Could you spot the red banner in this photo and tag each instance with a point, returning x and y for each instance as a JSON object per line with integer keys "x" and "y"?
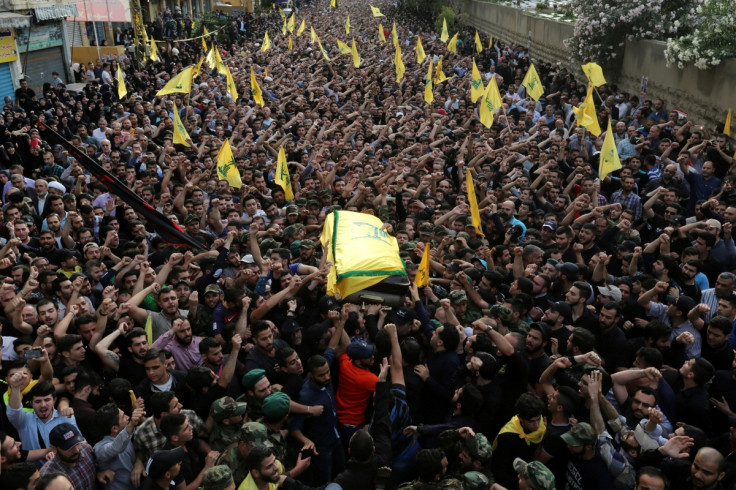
{"x": 103, "y": 11}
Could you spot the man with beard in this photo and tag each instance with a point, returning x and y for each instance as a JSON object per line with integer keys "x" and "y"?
{"x": 127, "y": 367}
{"x": 725, "y": 287}
{"x": 162, "y": 320}
{"x": 74, "y": 456}
{"x": 586, "y": 246}
{"x": 86, "y": 387}
{"x": 563, "y": 239}
{"x": 264, "y": 354}
{"x": 612, "y": 343}
{"x": 537, "y": 340}
{"x": 507, "y": 215}
{"x": 688, "y": 286}
{"x": 264, "y": 469}
{"x": 200, "y": 315}
{"x": 291, "y": 371}
{"x": 159, "y": 378}
{"x": 182, "y": 344}
{"x": 49, "y": 248}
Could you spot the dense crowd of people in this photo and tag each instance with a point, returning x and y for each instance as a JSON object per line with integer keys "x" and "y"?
{"x": 581, "y": 337}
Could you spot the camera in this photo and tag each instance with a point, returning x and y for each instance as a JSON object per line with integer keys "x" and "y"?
{"x": 516, "y": 231}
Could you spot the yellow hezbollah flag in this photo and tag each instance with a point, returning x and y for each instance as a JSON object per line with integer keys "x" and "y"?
{"x": 204, "y": 35}
{"x": 180, "y": 84}
{"x": 302, "y": 26}
{"x": 219, "y": 64}
{"x": 122, "y": 91}
{"x": 154, "y": 51}
{"x": 439, "y": 75}
{"x": 343, "y": 48}
{"x": 727, "y": 124}
{"x": 422, "y": 277}
{"x": 333, "y": 4}
{"x": 283, "y": 28}
{"x": 312, "y": 35}
{"x": 292, "y": 22}
{"x": 291, "y": 45}
{"x": 324, "y": 53}
{"x": 400, "y": 69}
{"x": 473, "y": 201}
{"x": 266, "y": 43}
{"x": 594, "y": 73}
{"x": 476, "y": 84}
{"x": 282, "y": 177}
{"x": 149, "y": 329}
{"x": 428, "y": 93}
{"x": 478, "y": 44}
{"x": 361, "y": 251}
{"x": 255, "y": 90}
{"x": 490, "y": 41}
{"x": 211, "y": 57}
{"x": 586, "y": 115}
{"x": 490, "y": 103}
{"x": 381, "y": 36}
{"x": 445, "y": 35}
{"x": 420, "y": 51}
{"x": 180, "y": 132}
{"x": 198, "y": 68}
{"x": 356, "y": 56}
{"x": 226, "y": 168}
{"x": 231, "y": 89}
{"x": 282, "y": 14}
{"x": 452, "y": 45}
{"x": 609, "y": 160}
{"x": 376, "y": 12}
{"x": 394, "y": 36}
{"x": 532, "y": 83}
{"x": 347, "y": 25}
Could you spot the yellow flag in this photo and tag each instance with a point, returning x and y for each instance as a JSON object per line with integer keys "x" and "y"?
{"x": 180, "y": 132}
{"x": 445, "y": 35}
{"x": 266, "y": 43}
{"x": 727, "y": 124}
{"x": 609, "y": 160}
{"x": 347, "y": 25}
{"x": 400, "y": 69}
{"x": 490, "y": 41}
{"x": 154, "y": 51}
{"x": 282, "y": 14}
{"x": 204, "y": 41}
{"x": 422, "y": 277}
{"x": 149, "y": 329}
{"x": 594, "y": 73}
{"x": 302, "y": 26}
{"x": 478, "y": 45}
{"x": 439, "y": 75}
{"x": 291, "y": 45}
{"x": 312, "y": 35}
{"x": 283, "y": 28}
{"x": 356, "y": 56}
{"x": 381, "y": 36}
{"x": 255, "y": 90}
{"x": 490, "y": 103}
{"x": 198, "y": 68}
{"x": 586, "y": 115}
{"x": 282, "y": 177}
{"x": 180, "y": 84}
{"x": 322, "y": 50}
{"x": 333, "y": 4}
{"x": 231, "y": 89}
{"x": 376, "y": 12}
{"x": 473, "y": 201}
{"x": 211, "y": 57}
{"x": 452, "y": 45}
{"x": 265, "y": 72}
{"x": 428, "y": 93}
{"x": 532, "y": 83}
{"x": 343, "y": 48}
{"x": 476, "y": 84}
{"x": 292, "y": 22}
{"x": 226, "y": 167}
{"x": 394, "y": 36}
{"x": 420, "y": 51}
{"x": 123, "y": 91}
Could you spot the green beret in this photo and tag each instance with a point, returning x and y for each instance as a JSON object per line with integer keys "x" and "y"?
{"x": 252, "y": 377}
{"x": 276, "y": 405}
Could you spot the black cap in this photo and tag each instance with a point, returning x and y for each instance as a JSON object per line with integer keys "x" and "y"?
{"x": 163, "y": 460}
{"x": 65, "y": 436}
{"x": 683, "y": 303}
{"x": 562, "y": 308}
{"x": 403, "y": 316}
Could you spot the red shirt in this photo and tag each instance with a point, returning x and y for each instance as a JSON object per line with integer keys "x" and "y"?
{"x": 354, "y": 392}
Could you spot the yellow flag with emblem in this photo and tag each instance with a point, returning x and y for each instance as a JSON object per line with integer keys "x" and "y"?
{"x": 381, "y": 35}
{"x": 727, "y": 124}
{"x": 473, "y": 201}
{"x": 221, "y": 66}
{"x": 282, "y": 177}
{"x": 490, "y": 103}
{"x": 211, "y": 57}
{"x": 400, "y": 69}
{"x": 180, "y": 132}
{"x": 342, "y": 47}
{"x": 180, "y": 84}
{"x": 422, "y": 277}
{"x": 266, "y": 43}
{"x": 609, "y": 160}
{"x": 122, "y": 90}
{"x": 439, "y": 75}
{"x": 292, "y": 23}
{"x": 231, "y": 88}
{"x": 428, "y": 92}
{"x": 356, "y": 56}
{"x": 347, "y": 25}
{"x": 594, "y": 73}
{"x": 255, "y": 90}
{"x": 478, "y": 44}
{"x": 532, "y": 83}
{"x": 302, "y": 26}
{"x": 198, "y": 68}
{"x": 394, "y": 36}
{"x": 452, "y": 45}
{"x": 476, "y": 84}
{"x": 282, "y": 14}
{"x": 586, "y": 115}
{"x": 445, "y": 35}
{"x": 376, "y": 12}
{"x": 420, "y": 51}
{"x": 322, "y": 50}
{"x": 226, "y": 167}
{"x": 153, "y": 55}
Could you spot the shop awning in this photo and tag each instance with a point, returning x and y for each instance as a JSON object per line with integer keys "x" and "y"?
{"x": 12, "y": 20}
{"x": 56, "y": 12}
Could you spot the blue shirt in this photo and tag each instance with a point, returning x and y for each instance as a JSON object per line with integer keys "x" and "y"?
{"x": 321, "y": 430}
{"x": 29, "y": 426}
{"x": 117, "y": 454}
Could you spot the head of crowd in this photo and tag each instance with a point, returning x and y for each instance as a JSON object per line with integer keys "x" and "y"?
{"x": 576, "y": 332}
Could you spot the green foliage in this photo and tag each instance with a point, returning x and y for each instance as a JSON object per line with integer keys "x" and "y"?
{"x": 213, "y": 24}
{"x": 446, "y": 13}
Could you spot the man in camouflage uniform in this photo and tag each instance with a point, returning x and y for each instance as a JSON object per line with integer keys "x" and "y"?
{"x": 233, "y": 456}
{"x": 475, "y": 480}
{"x": 534, "y": 475}
{"x": 228, "y": 416}
{"x": 218, "y": 478}
{"x": 275, "y": 411}
{"x": 466, "y": 451}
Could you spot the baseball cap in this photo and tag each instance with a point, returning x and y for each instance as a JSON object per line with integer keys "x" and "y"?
{"x": 90, "y": 245}
{"x": 611, "y": 291}
{"x": 403, "y": 316}
{"x": 65, "y": 436}
{"x": 189, "y": 218}
{"x": 212, "y": 288}
{"x": 550, "y": 224}
{"x": 568, "y": 269}
{"x": 226, "y": 407}
{"x": 562, "y": 308}
{"x": 683, "y": 303}
{"x": 217, "y": 478}
{"x": 580, "y": 435}
{"x": 458, "y": 296}
{"x": 306, "y": 243}
{"x": 292, "y": 209}
{"x": 327, "y": 303}
{"x": 359, "y": 349}
{"x": 713, "y": 223}
{"x": 475, "y": 480}
{"x": 255, "y": 434}
{"x": 248, "y": 259}
{"x": 479, "y": 448}
{"x": 537, "y": 476}
{"x": 163, "y": 460}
